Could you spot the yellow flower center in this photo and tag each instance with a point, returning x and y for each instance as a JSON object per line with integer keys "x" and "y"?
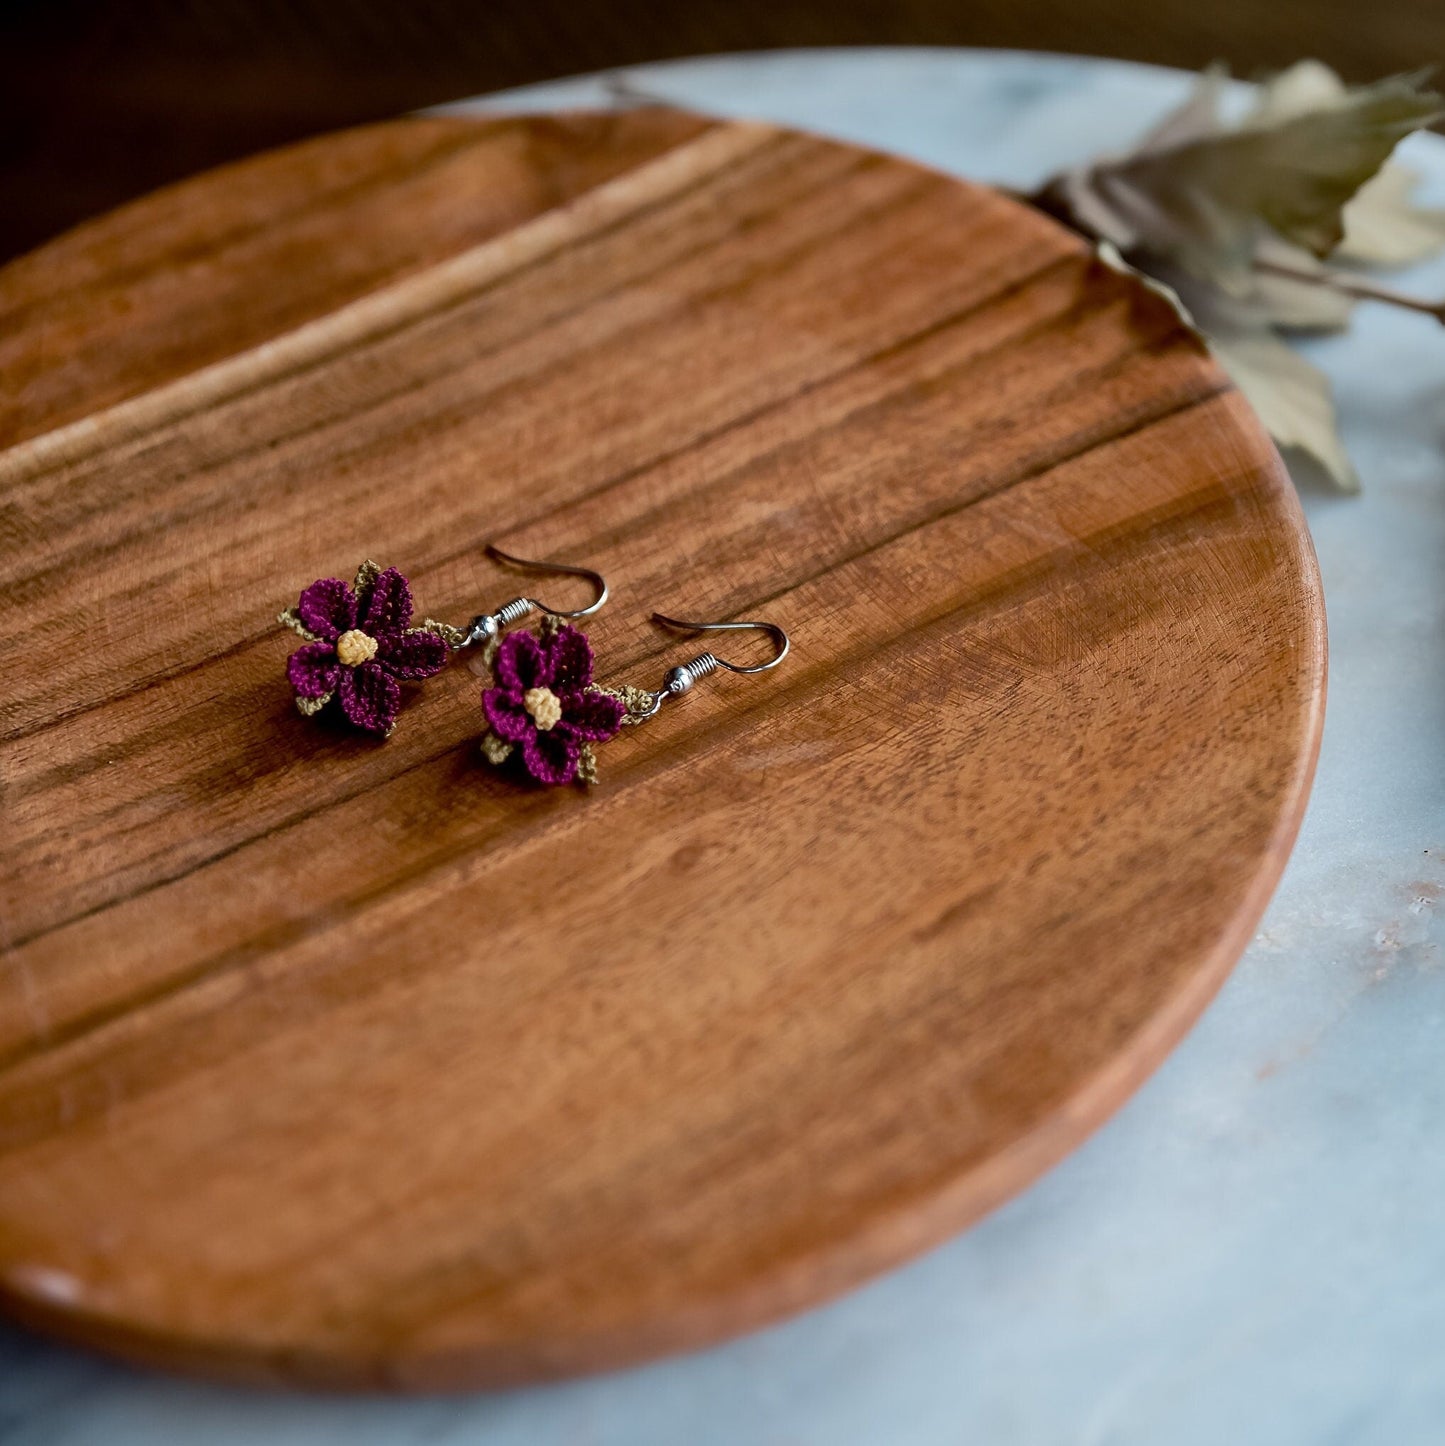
{"x": 355, "y": 647}
{"x": 544, "y": 706}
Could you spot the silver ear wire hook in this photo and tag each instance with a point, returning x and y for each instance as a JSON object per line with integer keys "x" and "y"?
{"x": 679, "y": 680}
{"x": 486, "y": 626}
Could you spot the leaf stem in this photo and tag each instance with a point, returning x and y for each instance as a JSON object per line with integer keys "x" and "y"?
{"x": 1352, "y": 286}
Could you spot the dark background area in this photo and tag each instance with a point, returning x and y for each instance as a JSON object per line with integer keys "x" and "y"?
{"x": 101, "y": 100}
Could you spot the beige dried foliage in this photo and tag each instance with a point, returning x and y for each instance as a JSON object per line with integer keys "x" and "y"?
{"x": 1234, "y": 220}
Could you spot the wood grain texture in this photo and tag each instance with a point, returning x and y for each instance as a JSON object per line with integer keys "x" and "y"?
{"x": 354, "y": 1064}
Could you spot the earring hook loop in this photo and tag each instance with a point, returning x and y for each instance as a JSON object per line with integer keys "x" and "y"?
{"x": 681, "y": 679}
{"x": 598, "y": 582}
{"x": 779, "y": 637}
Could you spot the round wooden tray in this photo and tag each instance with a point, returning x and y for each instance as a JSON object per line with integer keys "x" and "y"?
{"x": 331, "y": 1061}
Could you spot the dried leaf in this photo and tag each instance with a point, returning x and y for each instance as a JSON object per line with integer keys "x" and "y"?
{"x": 1298, "y": 89}
{"x": 1202, "y": 195}
{"x": 1231, "y": 221}
{"x": 1291, "y": 397}
{"x": 1288, "y": 287}
{"x": 1207, "y": 200}
{"x": 1108, "y": 253}
{"x": 1384, "y": 227}
{"x": 1197, "y": 117}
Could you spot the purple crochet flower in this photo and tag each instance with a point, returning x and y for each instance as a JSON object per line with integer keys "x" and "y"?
{"x": 544, "y": 706}
{"x": 360, "y": 647}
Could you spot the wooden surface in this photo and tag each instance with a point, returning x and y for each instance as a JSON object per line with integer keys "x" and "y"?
{"x": 345, "y": 1063}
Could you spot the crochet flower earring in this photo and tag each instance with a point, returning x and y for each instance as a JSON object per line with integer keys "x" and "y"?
{"x": 545, "y": 715}
{"x": 360, "y": 645}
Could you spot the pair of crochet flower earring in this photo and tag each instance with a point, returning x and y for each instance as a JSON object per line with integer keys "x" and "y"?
{"x": 543, "y": 712}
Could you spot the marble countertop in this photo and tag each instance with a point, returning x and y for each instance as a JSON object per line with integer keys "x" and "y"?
{"x": 1251, "y": 1251}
